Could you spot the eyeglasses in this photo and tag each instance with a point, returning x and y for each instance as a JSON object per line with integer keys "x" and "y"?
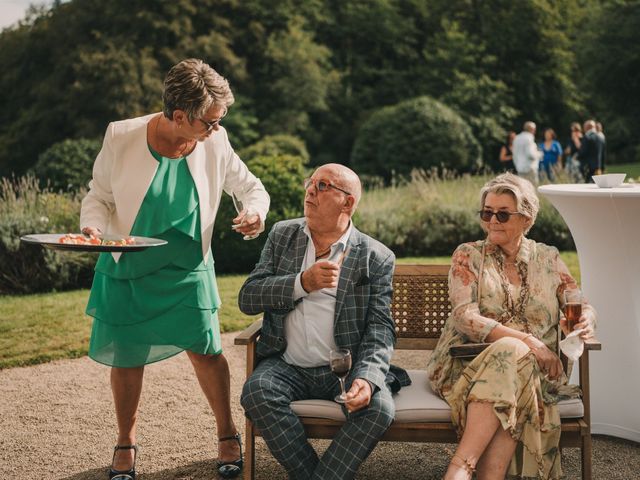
{"x": 322, "y": 185}
{"x": 501, "y": 215}
{"x": 211, "y": 125}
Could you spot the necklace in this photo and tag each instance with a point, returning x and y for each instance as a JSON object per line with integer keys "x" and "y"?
{"x": 323, "y": 252}
{"x": 182, "y": 151}
{"x": 514, "y": 310}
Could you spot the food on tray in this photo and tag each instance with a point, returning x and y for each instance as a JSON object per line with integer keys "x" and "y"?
{"x": 120, "y": 241}
{"x": 79, "y": 239}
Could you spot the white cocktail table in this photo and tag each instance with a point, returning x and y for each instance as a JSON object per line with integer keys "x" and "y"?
{"x": 605, "y": 224}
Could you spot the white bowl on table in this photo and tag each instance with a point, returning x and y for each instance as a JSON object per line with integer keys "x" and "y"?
{"x": 609, "y": 180}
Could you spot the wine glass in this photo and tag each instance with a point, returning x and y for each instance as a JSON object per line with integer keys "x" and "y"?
{"x": 237, "y": 203}
{"x": 340, "y": 362}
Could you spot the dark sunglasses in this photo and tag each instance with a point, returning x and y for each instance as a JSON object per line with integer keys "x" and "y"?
{"x": 501, "y": 215}
{"x": 322, "y": 185}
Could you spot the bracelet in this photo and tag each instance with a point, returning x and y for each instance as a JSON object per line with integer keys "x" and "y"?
{"x": 532, "y": 336}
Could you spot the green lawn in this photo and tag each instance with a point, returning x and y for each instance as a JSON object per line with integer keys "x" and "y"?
{"x": 631, "y": 169}
{"x": 44, "y": 327}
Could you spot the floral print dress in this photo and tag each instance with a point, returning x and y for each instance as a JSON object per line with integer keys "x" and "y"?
{"x": 507, "y": 373}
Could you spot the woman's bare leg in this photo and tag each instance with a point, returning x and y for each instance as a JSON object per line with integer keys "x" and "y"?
{"x": 495, "y": 460}
{"x": 126, "y": 385}
{"x": 213, "y": 375}
{"x": 480, "y": 429}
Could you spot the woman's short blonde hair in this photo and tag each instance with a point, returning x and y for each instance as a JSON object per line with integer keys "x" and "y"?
{"x": 522, "y": 190}
{"x": 193, "y": 87}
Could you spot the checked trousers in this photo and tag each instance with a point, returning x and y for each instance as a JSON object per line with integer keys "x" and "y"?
{"x": 266, "y": 398}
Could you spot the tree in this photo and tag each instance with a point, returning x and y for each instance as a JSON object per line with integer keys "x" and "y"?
{"x": 282, "y": 176}
{"x": 314, "y": 68}
{"x": 375, "y": 48}
{"x": 470, "y": 86}
{"x": 81, "y": 64}
{"x": 275, "y": 145}
{"x": 534, "y": 55}
{"x": 611, "y": 64}
{"x": 301, "y": 78}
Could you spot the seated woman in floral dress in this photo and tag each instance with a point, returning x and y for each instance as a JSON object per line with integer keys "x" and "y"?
{"x": 504, "y": 401}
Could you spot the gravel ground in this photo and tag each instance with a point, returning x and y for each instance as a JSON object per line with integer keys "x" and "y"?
{"x": 57, "y": 422}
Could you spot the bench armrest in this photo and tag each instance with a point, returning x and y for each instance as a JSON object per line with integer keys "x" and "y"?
{"x": 592, "y": 344}
{"x": 248, "y": 337}
{"x": 250, "y": 334}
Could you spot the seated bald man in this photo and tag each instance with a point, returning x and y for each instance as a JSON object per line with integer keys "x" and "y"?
{"x": 322, "y": 285}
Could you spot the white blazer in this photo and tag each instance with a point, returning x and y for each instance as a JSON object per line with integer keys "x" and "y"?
{"x": 124, "y": 170}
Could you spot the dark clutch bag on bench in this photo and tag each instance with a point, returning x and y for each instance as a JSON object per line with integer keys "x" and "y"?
{"x": 467, "y": 350}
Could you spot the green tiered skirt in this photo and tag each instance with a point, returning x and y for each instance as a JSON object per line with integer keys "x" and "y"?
{"x": 155, "y": 303}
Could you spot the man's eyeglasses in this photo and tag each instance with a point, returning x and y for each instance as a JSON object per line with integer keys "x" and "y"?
{"x": 322, "y": 185}
{"x": 501, "y": 215}
{"x": 211, "y": 125}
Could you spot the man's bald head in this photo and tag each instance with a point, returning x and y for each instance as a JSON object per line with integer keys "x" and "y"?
{"x": 344, "y": 178}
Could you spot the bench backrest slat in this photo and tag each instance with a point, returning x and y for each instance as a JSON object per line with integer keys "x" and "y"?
{"x": 420, "y": 304}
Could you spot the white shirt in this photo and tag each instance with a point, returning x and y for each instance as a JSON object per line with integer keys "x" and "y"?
{"x": 526, "y": 155}
{"x": 308, "y": 327}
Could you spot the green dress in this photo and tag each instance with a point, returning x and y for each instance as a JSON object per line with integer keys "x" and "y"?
{"x": 155, "y": 303}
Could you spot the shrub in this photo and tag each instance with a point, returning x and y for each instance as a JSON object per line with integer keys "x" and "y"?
{"x": 26, "y": 208}
{"x": 271, "y": 145}
{"x": 67, "y": 165}
{"x": 418, "y": 133}
{"x": 429, "y": 216}
{"x": 282, "y": 176}
{"x": 242, "y": 123}
{"x": 550, "y": 228}
{"x": 433, "y": 231}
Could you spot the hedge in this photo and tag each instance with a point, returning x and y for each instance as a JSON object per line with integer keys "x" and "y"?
{"x": 419, "y": 133}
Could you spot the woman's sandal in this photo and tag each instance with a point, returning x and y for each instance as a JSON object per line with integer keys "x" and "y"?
{"x": 463, "y": 463}
{"x": 124, "y": 474}
{"x": 233, "y": 468}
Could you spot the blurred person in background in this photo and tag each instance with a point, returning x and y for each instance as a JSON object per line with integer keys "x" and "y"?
{"x": 506, "y": 154}
{"x": 572, "y": 164}
{"x": 600, "y": 132}
{"x": 162, "y": 175}
{"x": 591, "y": 152}
{"x": 551, "y": 155}
{"x": 526, "y": 156}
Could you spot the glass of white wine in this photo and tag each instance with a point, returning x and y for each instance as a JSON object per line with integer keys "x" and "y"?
{"x": 237, "y": 203}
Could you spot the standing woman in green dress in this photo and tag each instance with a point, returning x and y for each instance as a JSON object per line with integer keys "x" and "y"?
{"x": 162, "y": 176}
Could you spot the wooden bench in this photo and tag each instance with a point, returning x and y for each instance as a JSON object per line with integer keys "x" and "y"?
{"x": 420, "y": 307}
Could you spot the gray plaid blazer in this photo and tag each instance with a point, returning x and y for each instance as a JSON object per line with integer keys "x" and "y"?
{"x": 363, "y": 320}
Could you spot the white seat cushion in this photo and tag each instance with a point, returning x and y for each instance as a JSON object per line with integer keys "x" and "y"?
{"x": 572, "y": 408}
{"x": 415, "y": 403}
